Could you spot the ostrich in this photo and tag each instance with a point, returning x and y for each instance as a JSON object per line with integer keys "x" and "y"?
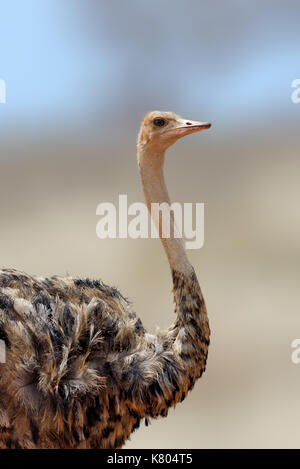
{"x": 80, "y": 370}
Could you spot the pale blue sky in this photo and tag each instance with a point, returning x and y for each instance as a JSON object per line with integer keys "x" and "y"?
{"x": 74, "y": 61}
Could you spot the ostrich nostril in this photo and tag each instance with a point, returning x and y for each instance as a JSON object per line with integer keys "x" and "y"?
{"x": 188, "y": 123}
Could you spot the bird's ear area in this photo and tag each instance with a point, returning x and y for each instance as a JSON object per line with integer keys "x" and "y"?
{"x": 144, "y": 136}
{"x": 146, "y": 128}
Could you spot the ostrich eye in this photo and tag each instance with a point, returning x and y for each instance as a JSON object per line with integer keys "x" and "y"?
{"x": 159, "y": 122}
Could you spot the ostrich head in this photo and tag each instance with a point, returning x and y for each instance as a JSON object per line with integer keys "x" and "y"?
{"x": 159, "y": 130}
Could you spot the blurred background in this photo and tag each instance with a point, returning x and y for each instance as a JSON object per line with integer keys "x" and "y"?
{"x": 79, "y": 77}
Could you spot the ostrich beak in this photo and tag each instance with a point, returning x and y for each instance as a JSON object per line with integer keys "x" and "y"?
{"x": 185, "y": 127}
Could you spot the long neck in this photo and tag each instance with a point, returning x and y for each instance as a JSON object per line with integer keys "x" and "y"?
{"x": 186, "y": 341}
{"x": 151, "y": 166}
{"x": 166, "y": 369}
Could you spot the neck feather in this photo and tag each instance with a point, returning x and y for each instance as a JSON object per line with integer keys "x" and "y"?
{"x": 151, "y": 166}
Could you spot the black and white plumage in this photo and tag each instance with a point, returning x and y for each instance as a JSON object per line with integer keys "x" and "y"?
{"x": 80, "y": 370}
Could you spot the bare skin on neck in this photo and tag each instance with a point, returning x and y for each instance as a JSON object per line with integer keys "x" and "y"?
{"x": 160, "y": 130}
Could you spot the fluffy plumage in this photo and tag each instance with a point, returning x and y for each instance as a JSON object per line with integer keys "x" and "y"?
{"x": 81, "y": 371}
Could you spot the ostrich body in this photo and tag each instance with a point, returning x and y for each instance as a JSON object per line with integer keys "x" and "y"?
{"x": 81, "y": 371}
